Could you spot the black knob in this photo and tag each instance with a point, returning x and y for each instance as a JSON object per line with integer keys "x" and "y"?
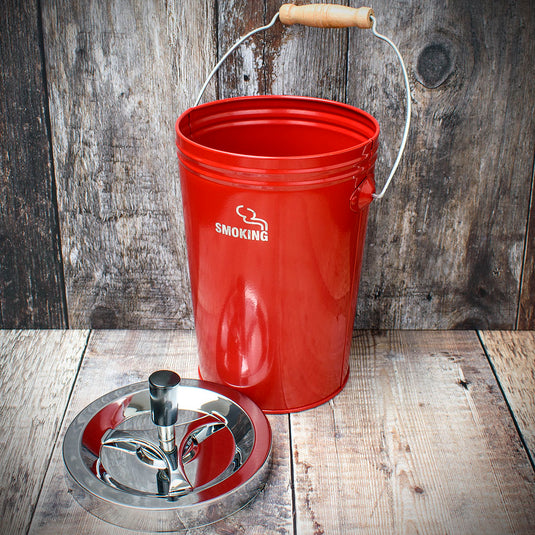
{"x": 163, "y": 388}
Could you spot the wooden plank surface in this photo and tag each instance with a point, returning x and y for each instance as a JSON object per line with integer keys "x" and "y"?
{"x": 308, "y": 61}
{"x": 37, "y": 372}
{"x": 512, "y": 355}
{"x": 31, "y": 278}
{"x": 290, "y": 60}
{"x": 243, "y": 72}
{"x": 445, "y": 245}
{"x": 119, "y": 74}
{"x": 118, "y": 358}
{"x": 420, "y": 441}
{"x": 526, "y": 307}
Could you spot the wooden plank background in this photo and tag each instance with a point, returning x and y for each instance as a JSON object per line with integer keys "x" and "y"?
{"x": 448, "y": 247}
{"x": 31, "y": 277}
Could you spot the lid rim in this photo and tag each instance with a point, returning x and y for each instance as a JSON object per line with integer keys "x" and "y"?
{"x": 249, "y": 160}
{"x": 132, "y": 510}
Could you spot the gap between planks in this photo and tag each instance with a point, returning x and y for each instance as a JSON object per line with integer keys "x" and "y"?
{"x": 37, "y": 376}
{"x": 118, "y": 358}
{"x": 82, "y": 354}
{"x": 511, "y": 355}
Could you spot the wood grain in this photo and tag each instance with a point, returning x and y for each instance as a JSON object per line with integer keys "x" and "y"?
{"x": 31, "y": 278}
{"x": 309, "y": 61}
{"x": 512, "y": 355}
{"x": 445, "y": 245}
{"x": 119, "y": 74}
{"x": 37, "y": 372}
{"x": 243, "y": 73}
{"x": 117, "y": 358}
{"x": 282, "y": 60}
{"x": 526, "y": 307}
{"x": 420, "y": 441}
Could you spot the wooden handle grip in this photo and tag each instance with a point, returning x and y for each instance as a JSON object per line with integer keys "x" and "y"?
{"x": 326, "y": 15}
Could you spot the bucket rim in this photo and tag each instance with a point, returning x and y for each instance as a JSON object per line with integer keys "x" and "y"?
{"x": 254, "y": 157}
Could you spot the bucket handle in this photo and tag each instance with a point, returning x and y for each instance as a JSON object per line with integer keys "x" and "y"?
{"x": 330, "y": 16}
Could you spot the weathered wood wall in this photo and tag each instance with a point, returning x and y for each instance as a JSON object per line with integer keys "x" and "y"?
{"x": 31, "y": 278}
{"x": 91, "y": 231}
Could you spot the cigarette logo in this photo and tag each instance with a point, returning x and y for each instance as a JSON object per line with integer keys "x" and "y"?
{"x": 249, "y": 216}
{"x": 256, "y": 229}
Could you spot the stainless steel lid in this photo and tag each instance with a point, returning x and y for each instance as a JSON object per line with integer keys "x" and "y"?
{"x": 167, "y": 455}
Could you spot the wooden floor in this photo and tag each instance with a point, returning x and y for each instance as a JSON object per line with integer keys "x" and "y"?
{"x": 434, "y": 433}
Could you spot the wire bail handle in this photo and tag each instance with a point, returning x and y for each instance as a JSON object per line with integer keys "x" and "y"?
{"x": 330, "y": 16}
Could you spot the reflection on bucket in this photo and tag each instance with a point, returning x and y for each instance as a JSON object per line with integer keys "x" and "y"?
{"x": 243, "y": 341}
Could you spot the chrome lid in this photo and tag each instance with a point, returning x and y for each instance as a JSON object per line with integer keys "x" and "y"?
{"x": 167, "y": 454}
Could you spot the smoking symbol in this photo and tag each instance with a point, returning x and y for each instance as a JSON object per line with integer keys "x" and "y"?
{"x": 249, "y": 216}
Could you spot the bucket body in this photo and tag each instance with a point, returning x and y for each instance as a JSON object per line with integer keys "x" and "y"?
{"x": 275, "y": 194}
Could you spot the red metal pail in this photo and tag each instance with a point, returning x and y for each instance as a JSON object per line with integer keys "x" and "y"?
{"x": 276, "y": 192}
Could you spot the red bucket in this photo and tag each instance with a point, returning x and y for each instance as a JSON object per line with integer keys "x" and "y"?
{"x": 276, "y": 192}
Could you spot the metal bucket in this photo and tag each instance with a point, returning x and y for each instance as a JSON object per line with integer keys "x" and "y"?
{"x": 276, "y": 191}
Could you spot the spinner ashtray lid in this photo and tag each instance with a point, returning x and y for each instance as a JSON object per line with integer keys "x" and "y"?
{"x": 167, "y": 455}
